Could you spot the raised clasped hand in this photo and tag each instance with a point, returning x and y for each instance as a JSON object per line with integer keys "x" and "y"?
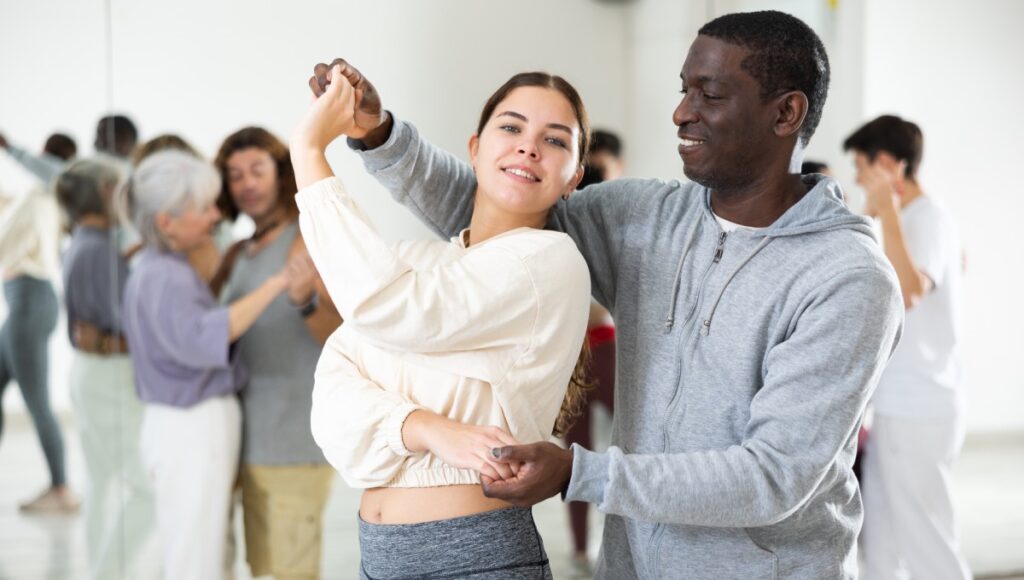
{"x": 330, "y": 116}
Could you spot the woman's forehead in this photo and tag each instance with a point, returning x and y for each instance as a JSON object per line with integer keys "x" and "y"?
{"x": 538, "y": 104}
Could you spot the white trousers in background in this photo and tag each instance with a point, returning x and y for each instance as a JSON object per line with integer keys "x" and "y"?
{"x": 908, "y": 506}
{"x": 119, "y": 500}
{"x": 191, "y": 456}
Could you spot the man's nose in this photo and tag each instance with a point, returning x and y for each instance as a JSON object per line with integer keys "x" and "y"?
{"x": 684, "y": 113}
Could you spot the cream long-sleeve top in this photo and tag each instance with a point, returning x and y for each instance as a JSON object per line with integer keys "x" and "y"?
{"x": 30, "y": 225}
{"x": 485, "y": 335}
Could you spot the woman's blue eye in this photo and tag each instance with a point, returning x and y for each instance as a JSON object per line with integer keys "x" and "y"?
{"x": 556, "y": 141}
{"x": 509, "y": 128}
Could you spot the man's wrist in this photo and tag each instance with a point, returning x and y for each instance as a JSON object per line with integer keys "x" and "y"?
{"x": 379, "y": 135}
{"x": 568, "y": 474}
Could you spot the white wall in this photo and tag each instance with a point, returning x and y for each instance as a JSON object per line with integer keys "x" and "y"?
{"x": 205, "y": 69}
{"x": 955, "y": 69}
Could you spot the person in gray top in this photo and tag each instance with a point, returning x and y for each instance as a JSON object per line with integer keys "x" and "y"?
{"x": 286, "y": 480}
{"x": 754, "y": 312}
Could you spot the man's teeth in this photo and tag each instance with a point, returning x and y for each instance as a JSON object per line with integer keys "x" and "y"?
{"x": 691, "y": 142}
{"x": 521, "y": 173}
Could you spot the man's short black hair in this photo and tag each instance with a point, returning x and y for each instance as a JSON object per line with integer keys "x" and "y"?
{"x": 785, "y": 55}
{"x": 61, "y": 146}
{"x": 122, "y": 129}
{"x": 601, "y": 140}
{"x": 812, "y": 167}
{"x": 893, "y": 135}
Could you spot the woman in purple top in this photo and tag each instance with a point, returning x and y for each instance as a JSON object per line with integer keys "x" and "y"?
{"x": 185, "y": 373}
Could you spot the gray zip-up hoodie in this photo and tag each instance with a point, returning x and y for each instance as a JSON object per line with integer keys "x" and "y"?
{"x": 745, "y": 361}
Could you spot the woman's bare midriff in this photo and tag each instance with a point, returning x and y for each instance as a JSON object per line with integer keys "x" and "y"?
{"x": 415, "y": 505}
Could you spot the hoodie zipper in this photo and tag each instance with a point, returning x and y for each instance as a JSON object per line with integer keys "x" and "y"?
{"x": 719, "y": 251}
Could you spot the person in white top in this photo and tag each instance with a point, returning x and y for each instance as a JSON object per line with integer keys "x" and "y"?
{"x": 30, "y": 230}
{"x": 917, "y": 430}
{"x": 448, "y": 349}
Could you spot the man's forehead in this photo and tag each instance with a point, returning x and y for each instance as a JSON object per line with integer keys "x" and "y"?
{"x": 713, "y": 60}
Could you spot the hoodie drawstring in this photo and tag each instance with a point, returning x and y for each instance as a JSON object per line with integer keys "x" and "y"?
{"x": 671, "y": 319}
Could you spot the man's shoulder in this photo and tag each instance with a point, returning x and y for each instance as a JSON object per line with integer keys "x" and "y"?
{"x": 643, "y": 196}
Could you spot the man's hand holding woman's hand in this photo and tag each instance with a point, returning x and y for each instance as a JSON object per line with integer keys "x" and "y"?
{"x": 372, "y": 122}
{"x": 330, "y": 116}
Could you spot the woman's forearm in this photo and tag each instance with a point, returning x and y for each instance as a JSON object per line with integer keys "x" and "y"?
{"x": 418, "y": 427}
{"x": 310, "y": 165}
{"x": 243, "y": 312}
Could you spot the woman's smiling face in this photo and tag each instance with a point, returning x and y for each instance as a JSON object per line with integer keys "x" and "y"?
{"x": 527, "y": 155}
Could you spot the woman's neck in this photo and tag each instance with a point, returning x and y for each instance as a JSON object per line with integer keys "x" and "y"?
{"x": 488, "y": 222}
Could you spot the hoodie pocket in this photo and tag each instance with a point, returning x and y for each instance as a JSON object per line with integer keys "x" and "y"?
{"x": 698, "y": 553}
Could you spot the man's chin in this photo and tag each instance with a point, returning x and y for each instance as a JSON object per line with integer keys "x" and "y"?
{"x": 697, "y": 177}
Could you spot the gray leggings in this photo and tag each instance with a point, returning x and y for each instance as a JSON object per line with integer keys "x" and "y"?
{"x": 24, "y": 357}
{"x": 499, "y": 544}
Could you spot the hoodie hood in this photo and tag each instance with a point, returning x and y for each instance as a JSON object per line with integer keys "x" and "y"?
{"x": 821, "y": 209}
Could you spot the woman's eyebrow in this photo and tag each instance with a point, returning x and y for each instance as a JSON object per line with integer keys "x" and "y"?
{"x": 521, "y": 117}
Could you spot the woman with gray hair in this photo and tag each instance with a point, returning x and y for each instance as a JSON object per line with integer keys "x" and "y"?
{"x": 185, "y": 371}
{"x": 119, "y": 500}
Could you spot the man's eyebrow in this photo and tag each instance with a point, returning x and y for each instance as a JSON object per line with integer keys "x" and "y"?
{"x": 521, "y": 117}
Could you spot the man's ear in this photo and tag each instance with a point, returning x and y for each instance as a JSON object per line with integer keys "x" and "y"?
{"x": 886, "y": 160}
{"x": 474, "y": 146}
{"x": 791, "y": 110}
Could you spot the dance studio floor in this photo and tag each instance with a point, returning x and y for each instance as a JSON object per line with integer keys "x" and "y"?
{"x": 989, "y": 482}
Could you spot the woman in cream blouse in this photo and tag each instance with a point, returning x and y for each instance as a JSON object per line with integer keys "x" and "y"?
{"x": 449, "y": 348}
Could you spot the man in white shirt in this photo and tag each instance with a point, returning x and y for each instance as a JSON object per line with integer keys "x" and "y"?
{"x": 918, "y": 429}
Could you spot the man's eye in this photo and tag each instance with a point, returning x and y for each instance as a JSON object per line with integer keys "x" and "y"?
{"x": 711, "y": 97}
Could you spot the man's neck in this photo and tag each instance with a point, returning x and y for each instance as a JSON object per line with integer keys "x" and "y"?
{"x": 910, "y": 192}
{"x": 759, "y": 204}
{"x": 269, "y": 219}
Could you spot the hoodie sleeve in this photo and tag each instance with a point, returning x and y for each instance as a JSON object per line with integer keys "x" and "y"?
{"x": 438, "y": 188}
{"x": 817, "y": 383}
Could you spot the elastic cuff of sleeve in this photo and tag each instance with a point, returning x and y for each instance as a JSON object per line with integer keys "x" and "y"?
{"x": 589, "y": 476}
{"x": 393, "y": 428}
{"x": 383, "y": 157}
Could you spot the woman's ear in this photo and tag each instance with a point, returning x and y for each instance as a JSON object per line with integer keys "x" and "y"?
{"x": 474, "y": 146}
{"x": 576, "y": 179}
{"x": 164, "y": 222}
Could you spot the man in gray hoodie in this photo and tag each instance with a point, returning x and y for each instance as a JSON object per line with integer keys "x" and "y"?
{"x": 755, "y": 313}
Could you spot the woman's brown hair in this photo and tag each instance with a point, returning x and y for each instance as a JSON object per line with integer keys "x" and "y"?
{"x": 580, "y": 382}
{"x": 256, "y": 138}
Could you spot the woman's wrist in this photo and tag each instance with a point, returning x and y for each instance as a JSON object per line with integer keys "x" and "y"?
{"x": 417, "y": 429}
